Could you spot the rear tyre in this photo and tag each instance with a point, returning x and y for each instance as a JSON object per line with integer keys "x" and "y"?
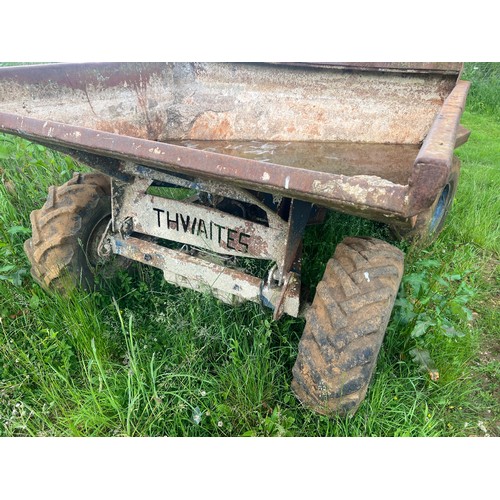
{"x": 66, "y": 232}
{"x": 430, "y": 223}
{"x": 345, "y": 326}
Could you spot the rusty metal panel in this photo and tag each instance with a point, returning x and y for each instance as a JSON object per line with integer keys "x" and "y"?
{"x": 360, "y": 194}
{"x": 452, "y": 68}
{"x": 463, "y": 135}
{"x": 160, "y": 101}
{"x": 434, "y": 160}
{"x": 229, "y": 285}
{"x": 393, "y": 162}
{"x": 109, "y": 96}
{"x": 220, "y": 189}
{"x": 203, "y": 227}
{"x": 229, "y": 101}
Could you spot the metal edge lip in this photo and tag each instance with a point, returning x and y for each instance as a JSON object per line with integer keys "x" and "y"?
{"x": 445, "y": 68}
{"x": 365, "y": 192}
{"x": 433, "y": 163}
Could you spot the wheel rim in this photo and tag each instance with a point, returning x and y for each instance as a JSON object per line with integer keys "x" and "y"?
{"x": 441, "y": 208}
{"x": 93, "y": 242}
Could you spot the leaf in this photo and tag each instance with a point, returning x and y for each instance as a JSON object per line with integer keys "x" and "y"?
{"x": 460, "y": 311}
{"x": 6, "y": 269}
{"x": 442, "y": 282}
{"x": 34, "y": 302}
{"x": 417, "y": 282}
{"x": 423, "y": 358}
{"x": 17, "y": 277}
{"x": 404, "y": 310}
{"x": 421, "y": 328}
{"x": 450, "y": 331}
{"x": 18, "y": 229}
{"x": 430, "y": 263}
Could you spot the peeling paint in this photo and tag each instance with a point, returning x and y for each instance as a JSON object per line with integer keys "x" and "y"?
{"x": 357, "y": 187}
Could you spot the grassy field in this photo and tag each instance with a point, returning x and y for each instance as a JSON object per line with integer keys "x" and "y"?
{"x": 143, "y": 358}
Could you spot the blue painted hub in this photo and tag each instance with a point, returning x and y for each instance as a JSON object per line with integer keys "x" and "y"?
{"x": 441, "y": 207}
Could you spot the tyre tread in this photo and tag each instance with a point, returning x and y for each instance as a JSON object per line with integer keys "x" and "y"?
{"x": 345, "y": 325}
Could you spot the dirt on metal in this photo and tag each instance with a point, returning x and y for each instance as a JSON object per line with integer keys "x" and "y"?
{"x": 262, "y": 146}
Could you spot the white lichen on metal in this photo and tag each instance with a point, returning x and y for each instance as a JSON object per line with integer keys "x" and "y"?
{"x": 355, "y": 189}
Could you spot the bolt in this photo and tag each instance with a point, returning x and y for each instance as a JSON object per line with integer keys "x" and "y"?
{"x": 105, "y": 249}
{"x": 127, "y": 226}
{"x": 277, "y": 275}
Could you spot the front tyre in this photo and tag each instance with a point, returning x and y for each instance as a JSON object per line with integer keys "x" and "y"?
{"x": 66, "y": 232}
{"x": 345, "y": 326}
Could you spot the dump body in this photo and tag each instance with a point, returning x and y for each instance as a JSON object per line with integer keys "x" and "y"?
{"x": 371, "y": 139}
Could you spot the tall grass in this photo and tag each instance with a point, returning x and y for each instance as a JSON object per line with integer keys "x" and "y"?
{"x": 484, "y": 95}
{"x": 144, "y": 358}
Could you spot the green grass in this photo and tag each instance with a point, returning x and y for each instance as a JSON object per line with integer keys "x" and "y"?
{"x": 144, "y": 358}
{"x": 484, "y": 96}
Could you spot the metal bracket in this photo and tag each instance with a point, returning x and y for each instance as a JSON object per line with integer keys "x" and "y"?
{"x": 229, "y": 285}
{"x": 290, "y": 289}
{"x": 297, "y": 222}
{"x": 189, "y": 222}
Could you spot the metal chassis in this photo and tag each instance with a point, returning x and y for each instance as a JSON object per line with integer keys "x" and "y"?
{"x": 136, "y": 221}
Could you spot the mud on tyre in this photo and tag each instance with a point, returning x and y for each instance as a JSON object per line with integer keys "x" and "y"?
{"x": 66, "y": 232}
{"x": 345, "y": 326}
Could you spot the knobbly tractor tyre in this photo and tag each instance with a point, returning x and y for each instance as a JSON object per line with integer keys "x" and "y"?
{"x": 66, "y": 232}
{"x": 345, "y": 326}
{"x": 430, "y": 223}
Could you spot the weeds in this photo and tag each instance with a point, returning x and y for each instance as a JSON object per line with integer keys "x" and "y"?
{"x": 432, "y": 302}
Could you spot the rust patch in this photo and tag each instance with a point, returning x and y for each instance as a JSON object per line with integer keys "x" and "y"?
{"x": 211, "y": 124}
{"x": 123, "y": 127}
